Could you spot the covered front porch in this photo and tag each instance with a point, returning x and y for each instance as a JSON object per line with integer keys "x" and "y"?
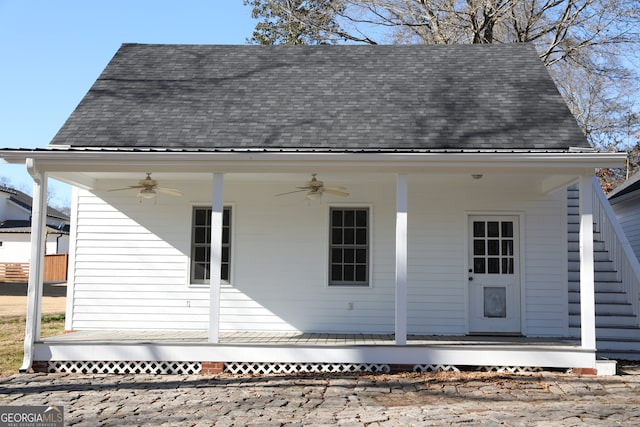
{"x": 419, "y": 261}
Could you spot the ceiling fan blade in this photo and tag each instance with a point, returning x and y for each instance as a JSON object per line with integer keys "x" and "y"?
{"x": 291, "y": 192}
{"x": 335, "y": 187}
{"x": 127, "y": 188}
{"x": 171, "y": 191}
{"x": 335, "y": 192}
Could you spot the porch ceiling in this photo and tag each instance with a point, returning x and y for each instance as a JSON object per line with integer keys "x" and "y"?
{"x": 544, "y": 181}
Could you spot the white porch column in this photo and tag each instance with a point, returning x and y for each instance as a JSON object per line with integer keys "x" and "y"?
{"x": 217, "y": 207}
{"x": 36, "y": 263}
{"x": 401, "y": 259}
{"x": 587, "y": 296}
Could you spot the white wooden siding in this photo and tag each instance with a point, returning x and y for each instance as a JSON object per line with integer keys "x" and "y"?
{"x": 132, "y": 259}
{"x": 628, "y": 215}
{"x": 16, "y": 247}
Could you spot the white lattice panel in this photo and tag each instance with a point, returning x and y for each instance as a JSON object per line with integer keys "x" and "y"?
{"x": 435, "y": 368}
{"x": 510, "y": 369}
{"x": 302, "y": 368}
{"x": 110, "y": 367}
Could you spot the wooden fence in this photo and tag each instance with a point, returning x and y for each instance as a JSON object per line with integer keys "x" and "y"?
{"x": 55, "y": 269}
{"x": 14, "y": 271}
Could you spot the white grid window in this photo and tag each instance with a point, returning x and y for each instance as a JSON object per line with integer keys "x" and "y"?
{"x": 201, "y": 245}
{"x": 349, "y": 247}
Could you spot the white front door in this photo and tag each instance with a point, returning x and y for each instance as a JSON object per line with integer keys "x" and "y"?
{"x": 494, "y": 274}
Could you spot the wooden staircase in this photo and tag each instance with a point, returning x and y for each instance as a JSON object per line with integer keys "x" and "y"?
{"x": 617, "y": 321}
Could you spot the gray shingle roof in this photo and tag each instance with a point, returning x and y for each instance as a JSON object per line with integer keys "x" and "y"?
{"x": 324, "y": 98}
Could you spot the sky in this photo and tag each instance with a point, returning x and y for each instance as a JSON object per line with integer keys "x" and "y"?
{"x": 51, "y": 52}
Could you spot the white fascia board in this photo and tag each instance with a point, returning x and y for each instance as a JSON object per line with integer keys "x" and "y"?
{"x": 122, "y": 161}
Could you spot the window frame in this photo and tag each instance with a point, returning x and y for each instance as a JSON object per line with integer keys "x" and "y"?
{"x": 370, "y": 245}
{"x": 205, "y": 283}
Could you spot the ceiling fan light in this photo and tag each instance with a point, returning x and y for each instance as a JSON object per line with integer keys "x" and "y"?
{"x": 313, "y": 195}
{"x": 147, "y": 193}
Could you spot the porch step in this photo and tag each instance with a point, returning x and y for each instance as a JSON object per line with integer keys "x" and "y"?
{"x": 605, "y": 309}
{"x": 600, "y": 286}
{"x": 607, "y": 321}
{"x": 598, "y": 257}
{"x": 616, "y": 333}
{"x": 600, "y": 276}
{"x": 619, "y": 344}
{"x": 618, "y": 355}
{"x": 574, "y": 246}
{"x": 602, "y": 297}
{"x": 618, "y": 349}
{"x": 573, "y": 228}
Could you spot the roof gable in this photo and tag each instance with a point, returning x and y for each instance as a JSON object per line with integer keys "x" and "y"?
{"x": 26, "y": 202}
{"x": 324, "y": 98}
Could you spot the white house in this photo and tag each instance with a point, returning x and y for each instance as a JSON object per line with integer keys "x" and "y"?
{"x": 15, "y": 230}
{"x": 625, "y": 201}
{"x": 429, "y": 228}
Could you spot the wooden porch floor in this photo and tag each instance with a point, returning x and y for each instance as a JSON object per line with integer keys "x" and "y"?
{"x": 297, "y": 339}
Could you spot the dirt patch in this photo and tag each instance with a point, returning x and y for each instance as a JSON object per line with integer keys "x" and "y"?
{"x": 13, "y": 299}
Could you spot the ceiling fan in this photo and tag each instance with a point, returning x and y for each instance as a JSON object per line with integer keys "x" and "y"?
{"x": 315, "y": 189}
{"x": 148, "y": 188}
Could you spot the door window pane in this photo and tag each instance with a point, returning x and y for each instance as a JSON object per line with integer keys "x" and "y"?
{"x": 493, "y": 247}
{"x": 493, "y": 265}
{"x": 507, "y": 229}
{"x": 492, "y": 229}
{"x": 479, "y": 265}
{"x": 507, "y": 266}
{"x": 507, "y": 247}
{"x": 478, "y": 229}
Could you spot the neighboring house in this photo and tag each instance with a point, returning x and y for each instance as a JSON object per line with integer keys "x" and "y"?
{"x": 450, "y": 247}
{"x": 15, "y": 229}
{"x": 625, "y": 201}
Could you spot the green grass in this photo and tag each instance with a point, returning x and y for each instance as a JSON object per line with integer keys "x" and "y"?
{"x": 12, "y": 339}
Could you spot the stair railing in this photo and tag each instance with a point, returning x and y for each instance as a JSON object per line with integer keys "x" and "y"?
{"x": 622, "y": 255}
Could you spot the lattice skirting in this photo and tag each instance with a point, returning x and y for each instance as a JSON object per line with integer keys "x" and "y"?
{"x": 252, "y": 368}
{"x": 435, "y": 368}
{"x": 303, "y": 368}
{"x": 510, "y": 369}
{"x": 109, "y": 367}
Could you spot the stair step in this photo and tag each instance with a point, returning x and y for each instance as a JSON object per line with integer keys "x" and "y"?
{"x": 605, "y": 266}
{"x": 619, "y": 355}
{"x": 601, "y": 276}
{"x": 603, "y": 309}
{"x": 619, "y": 344}
{"x": 613, "y": 333}
{"x": 613, "y": 286}
{"x": 607, "y": 321}
{"x": 574, "y": 246}
{"x": 601, "y": 297}
{"x": 598, "y": 256}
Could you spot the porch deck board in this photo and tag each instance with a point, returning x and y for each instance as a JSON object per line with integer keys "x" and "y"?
{"x": 297, "y": 339}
